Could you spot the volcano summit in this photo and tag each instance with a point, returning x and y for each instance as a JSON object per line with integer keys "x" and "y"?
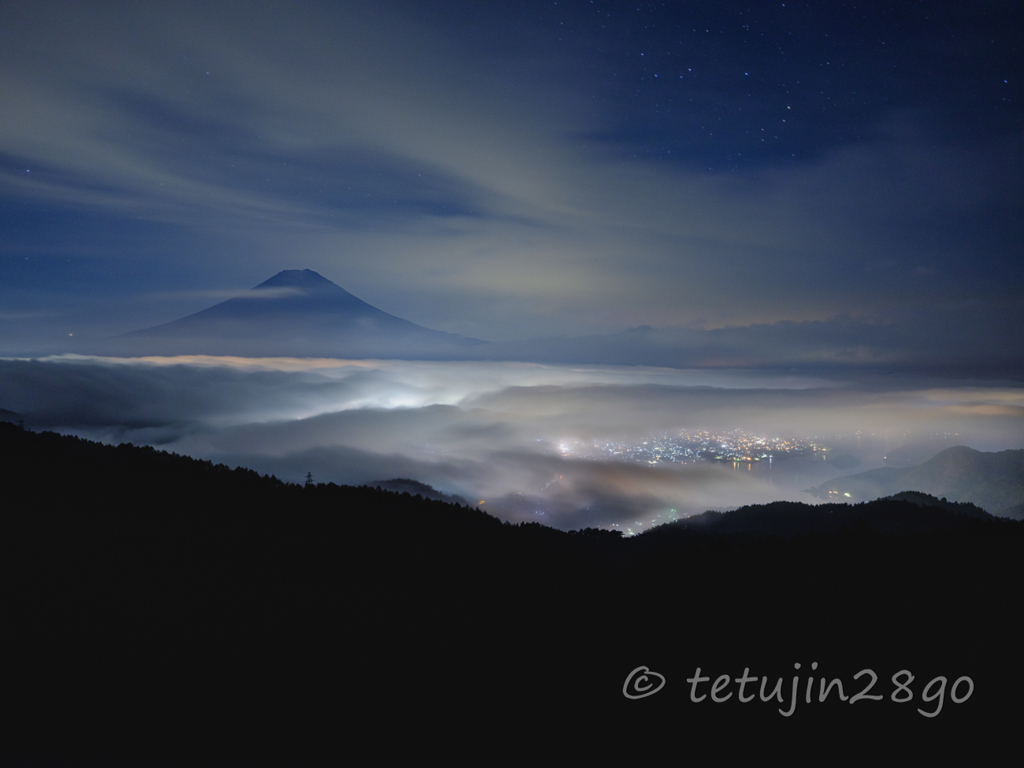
{"x": 296, "y": 313}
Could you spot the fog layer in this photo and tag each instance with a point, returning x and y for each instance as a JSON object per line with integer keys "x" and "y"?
{"x": 494, "y": 433}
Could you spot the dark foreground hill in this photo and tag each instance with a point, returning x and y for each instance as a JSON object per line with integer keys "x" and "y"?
{"x": 160, "y": 610}
{"x": 906, "y": 514}
{"x": 993, "y": 481}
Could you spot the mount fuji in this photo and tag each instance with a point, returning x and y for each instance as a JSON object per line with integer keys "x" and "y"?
{"x": 296, "y": 313}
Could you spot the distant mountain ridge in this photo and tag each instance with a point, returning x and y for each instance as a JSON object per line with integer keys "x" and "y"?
{"x": 993, "y": 481}
{"x": 902, "y": 514}
{"x": 416, "y": 488}
{"x": 11, "y": 416}
{"x": 299, "y": 313}
{"x": 295, "y": 313}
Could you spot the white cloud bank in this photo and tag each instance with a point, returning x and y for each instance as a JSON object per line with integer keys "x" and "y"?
{"x": 491, "y": 431}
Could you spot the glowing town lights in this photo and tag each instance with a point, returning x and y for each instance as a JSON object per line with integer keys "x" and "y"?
{"x": 688, "y": 446}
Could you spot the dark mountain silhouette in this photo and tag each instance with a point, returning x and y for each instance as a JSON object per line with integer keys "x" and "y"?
{"x": 1016, "y": 512}
{"x": 295, "y": 313}
{"x": 416, "y": 488}
{"x": 912, "y": 454}
{"x": 902, "y": 514}
{"x": 162, "y": 610}
{"x": 926, "y": 500}
{"x": 993, "y": 481}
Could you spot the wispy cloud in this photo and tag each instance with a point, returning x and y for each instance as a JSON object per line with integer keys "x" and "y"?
{"x": 461, "y": 180}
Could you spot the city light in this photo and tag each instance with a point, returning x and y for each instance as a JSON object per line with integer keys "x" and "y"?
{"x": 684, "y": 446}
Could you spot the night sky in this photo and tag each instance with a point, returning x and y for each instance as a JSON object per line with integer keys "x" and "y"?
{"x": 821, "y": 206}
{"x": 512, "y": 170}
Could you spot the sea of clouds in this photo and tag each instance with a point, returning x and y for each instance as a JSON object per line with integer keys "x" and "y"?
{"x": 495, "y": 432}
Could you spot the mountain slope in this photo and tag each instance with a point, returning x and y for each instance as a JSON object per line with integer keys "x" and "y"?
{"x": 295, "y": 313}
{"x": 903, "y": 514}
{"x": 161, "y": 610}
{"x": 993, "y": 481}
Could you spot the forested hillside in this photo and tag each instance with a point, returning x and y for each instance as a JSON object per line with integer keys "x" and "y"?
{"x": 163, "y": 608}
